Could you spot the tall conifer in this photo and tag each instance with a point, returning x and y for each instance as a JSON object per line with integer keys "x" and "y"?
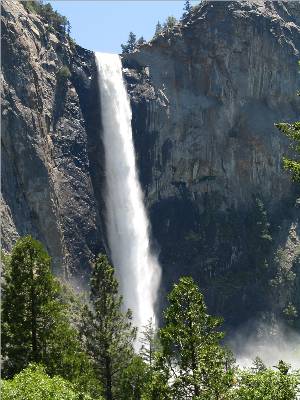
{"x": 109, "y": 333}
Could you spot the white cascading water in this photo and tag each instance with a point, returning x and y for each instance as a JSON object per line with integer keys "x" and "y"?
{"x": 126, "y": 218}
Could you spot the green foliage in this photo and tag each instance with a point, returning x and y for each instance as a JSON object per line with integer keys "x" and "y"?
{"x": 108, "y": 331}
{"x": 150, "y": 343}
{"x": 191, "y": 356}
{"x": 158, "y": 29}
{"x": 130, "y": 46}
{"x": 292, "y": 131}
{"x": 187, "y": 9}
{"x": 184, "y": 360}
{"x": 170, "y": 23}
{"x": 35, "y": 321}
{"x": 267, "y": 384}
{"x": 258, "y": 365}
{"x": 30, "y": 305}
{"x": 59, "y": 22}
{"x": 260, "y": 245}
{"x": 72, "y": 43}
{"x": 32, "y": 6}
{"x": 262, "y": 224}
{"x": 293, "y": 166}
{"x": 140, "y": 41}
{"x": 284, "y": 274}
{"x": 63, "y": 74}
{"x": 34, "y": 384}
{"x": 283, "y": 285}
{"x": 133, "y": 380}
{"x": 290, "y": 312}
{"x": 158, "y": 388}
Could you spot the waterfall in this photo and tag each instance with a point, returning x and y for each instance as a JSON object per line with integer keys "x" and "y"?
{"x": 126, "y": 218}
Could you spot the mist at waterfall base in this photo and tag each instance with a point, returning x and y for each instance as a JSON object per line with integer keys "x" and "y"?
{"x": 270, "y": 342}
{"x": 127, "y": 224}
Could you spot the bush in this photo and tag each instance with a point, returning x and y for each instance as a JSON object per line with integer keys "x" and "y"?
{"x": 59, "y": 22}
{"x": 32, "y": 6}
{"x": 267, "y": 384}
{"x": 63, "y": 74}
{"x": 34, "y": 384}
{"x": 170, "y": 23}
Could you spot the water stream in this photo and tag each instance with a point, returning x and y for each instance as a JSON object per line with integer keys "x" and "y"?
{"x": 126, "y": 218}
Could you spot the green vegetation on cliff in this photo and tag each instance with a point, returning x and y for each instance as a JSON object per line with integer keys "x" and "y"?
{"x": 57, "y": 21}
{"x": 187, "y": 9}
{"x": 292, "y": 131}
{"x": 168, "y": 25}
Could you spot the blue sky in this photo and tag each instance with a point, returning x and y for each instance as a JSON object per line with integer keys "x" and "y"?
{"x": 104, "y": 25}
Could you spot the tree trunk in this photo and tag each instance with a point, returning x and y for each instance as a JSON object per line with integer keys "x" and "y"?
{"x": 194, "y": 361}
{"x": 108, "y": 378}
{"x": 34, "y": 324}
{"x": 33, "y": 316}
{"x": 194, "y": 367}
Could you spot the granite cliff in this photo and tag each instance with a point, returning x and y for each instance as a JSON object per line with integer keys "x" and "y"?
{"x": 205, "y": 96}
{"x": 49, "y": 132}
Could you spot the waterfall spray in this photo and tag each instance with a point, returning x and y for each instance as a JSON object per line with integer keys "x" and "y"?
{"x": 126, "y": 218}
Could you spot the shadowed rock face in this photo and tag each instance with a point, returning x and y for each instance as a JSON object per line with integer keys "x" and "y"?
{"x": 205, "y": 97}
{"x": 50, "y": 141}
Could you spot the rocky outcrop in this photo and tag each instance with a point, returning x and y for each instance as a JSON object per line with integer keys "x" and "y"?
{"x": 205, "y": 97}
{"x": 50, "y": 134}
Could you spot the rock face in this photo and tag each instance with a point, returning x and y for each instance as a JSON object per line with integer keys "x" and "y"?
{"x": 49, "y": 131}
{"x": 205, "y": 96}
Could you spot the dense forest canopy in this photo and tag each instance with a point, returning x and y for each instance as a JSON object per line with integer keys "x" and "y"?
{"x": 77, "y": 348}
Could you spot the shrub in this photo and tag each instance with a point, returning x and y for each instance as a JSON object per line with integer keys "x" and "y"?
{"x": 170, "y": 23}
{"x": 267, "y": 384}
{"x": 59, "y": 22}
{"x": 32, "y": 6}
{"x": 33, "y": 383}
{"x": 63, "y": 74}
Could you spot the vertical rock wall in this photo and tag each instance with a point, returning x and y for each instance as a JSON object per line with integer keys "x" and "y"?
{"x": 205, "y": 98}
{"x": 50, "y": 128}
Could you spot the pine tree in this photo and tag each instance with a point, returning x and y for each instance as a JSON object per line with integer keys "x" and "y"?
{"x": 108, "y": 331}
{"x": 130, "y": 45}
{"x": 149, "y": 341}
{"x": 68, "y": 28}
{"x": 158, "y": 29}
{"x": 29, "y": 294}
{"x": 191, "y": 353}
{"x": 170, "y": 23}
{"x": 35, "y": 324}
{"x": 186, "y": 9}
{"x": 141, "y": 41}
